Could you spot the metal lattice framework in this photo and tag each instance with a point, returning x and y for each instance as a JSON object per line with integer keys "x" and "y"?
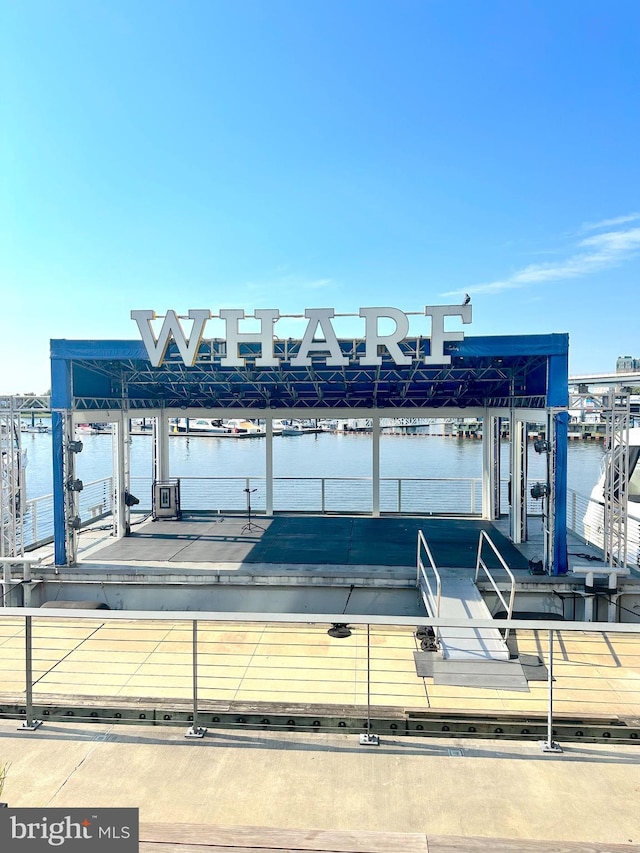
{"x": 512, "y": 381}
{"x": 617, "y": 481}
{"x": 12, "y": 491}
{"x": 518, "y": 377}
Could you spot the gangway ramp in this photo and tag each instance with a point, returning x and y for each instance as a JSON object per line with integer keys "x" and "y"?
{"x": 449, "y": 595}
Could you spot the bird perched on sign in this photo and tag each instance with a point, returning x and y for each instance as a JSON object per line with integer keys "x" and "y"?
{"x": 467, "y": 299}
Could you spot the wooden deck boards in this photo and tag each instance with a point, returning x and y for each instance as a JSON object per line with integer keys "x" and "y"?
{"x": 200, "y": 838}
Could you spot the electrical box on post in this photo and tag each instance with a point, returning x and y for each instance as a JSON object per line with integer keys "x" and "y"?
{"x": 166, "y": 499}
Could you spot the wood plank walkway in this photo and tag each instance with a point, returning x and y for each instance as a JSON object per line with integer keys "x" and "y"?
{"x": 202, "y": 838}
{"x": 199, "y": 838}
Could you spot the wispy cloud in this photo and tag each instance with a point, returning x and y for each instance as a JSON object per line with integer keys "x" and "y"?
{"x": 610, "y": 223}
{"x": 281, "y": 286}
{"x": 587, "y": 256}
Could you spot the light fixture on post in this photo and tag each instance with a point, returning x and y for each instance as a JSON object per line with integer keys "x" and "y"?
{"x": 541, "y": 445}
{"x": 75, "y": 446}
{"x": 130, "y": 500}
{"x": 339, "y": 631}
{"x": 75, "y": 522}
{"x": 75, "y": 485}
{"x": 539, "y": 490}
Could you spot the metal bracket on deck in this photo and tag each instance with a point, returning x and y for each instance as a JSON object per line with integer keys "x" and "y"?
{"x": 197, "y": 732}
{"x": 550, "y": 746}
{"x": 29, "y": 727}
{"x": 369, "y": 739}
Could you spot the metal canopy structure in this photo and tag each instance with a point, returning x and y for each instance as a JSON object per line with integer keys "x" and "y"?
{"x": 496, "y": 372}
{"x": 520, "y": 378}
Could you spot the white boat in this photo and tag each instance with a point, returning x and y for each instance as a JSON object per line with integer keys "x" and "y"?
{"x": 203, "y": 426}
{"x": 241, "y": 426}
{"x": 594, "y": 516}
{"x": 292, "y": 429}
{"x": 93, "y": 429}
{"x": 36, "y": 428}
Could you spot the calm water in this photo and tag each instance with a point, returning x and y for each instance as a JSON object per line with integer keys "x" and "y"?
{"x": 324, "y": 454}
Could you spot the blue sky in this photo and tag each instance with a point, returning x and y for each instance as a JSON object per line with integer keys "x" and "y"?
{"x": 313, "y": 153}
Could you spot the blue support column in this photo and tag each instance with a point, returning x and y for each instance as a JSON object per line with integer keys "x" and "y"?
{"x": 59, "y": 534}
{"x": 60, "y": 405}
{"x": 560, "y": 558}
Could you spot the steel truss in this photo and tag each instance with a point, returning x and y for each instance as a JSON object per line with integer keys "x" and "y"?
{"x": 465, "y": 382}
{"x": 12, "y": 481}
{"x": 616, "y": 481}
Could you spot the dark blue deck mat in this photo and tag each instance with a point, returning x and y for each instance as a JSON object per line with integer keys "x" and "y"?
{"x": 322, "y": 540}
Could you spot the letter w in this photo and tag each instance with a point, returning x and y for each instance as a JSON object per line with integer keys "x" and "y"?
{"x": 156, "y": 348}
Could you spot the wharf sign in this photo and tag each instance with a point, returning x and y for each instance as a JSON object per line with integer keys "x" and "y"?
{"x": 319, "y": 336}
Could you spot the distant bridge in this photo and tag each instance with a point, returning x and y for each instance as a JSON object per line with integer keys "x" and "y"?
{"x": 593, "y": 392}
{"x": 611, "y": 381}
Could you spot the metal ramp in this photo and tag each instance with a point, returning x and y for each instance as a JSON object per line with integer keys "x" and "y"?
{"x": 455, "y": 597}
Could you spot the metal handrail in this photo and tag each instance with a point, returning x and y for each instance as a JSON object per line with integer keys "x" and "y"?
{"x": 480, "y": 562}
{"x": 29, "y": 722}
{"x": 422, "y": 575}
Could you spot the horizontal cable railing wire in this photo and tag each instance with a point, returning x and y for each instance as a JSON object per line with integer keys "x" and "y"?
{"x": 287, "y": 660}
{"x": 461, "y": 496}
{"x": 95, "y": 501}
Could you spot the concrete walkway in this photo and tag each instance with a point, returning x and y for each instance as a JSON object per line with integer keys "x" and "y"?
{"x": 329, "y": 782}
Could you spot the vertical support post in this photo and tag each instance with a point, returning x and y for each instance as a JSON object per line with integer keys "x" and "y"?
{"x": 119, "y": 478}
{"x": 126, "y": 469}
{"x": 518, "y": 520}
{"x": 33, "y": 506}
{"x": 269, "y": 465}
{"x": 490, "y": 467}
{"x": 71, "y": 499}
{"x": 549, "y": 745}
{"x": 6, "y": 584}
{"x": 368, "y": 738}
{"x": 322, "y": 493}
{"x": 160, "y": 447}
{"x": 556, "y": 555}
{"x": 195, "y": 731}
{"x": 375, "y": 473}
{"x": 400, "y": 494}
{"x": 29, "y": 724}
{"x": 61, "y": 405}
{"x": 616, "y": 486}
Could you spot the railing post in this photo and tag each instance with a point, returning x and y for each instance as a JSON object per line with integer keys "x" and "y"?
{"x": 33, "y": 506}
{"x": 574, "y": 511}
{"x": 6, "y": 583}
{"x": 400, "y": 494}
{"x": 549, "y": 745}
{"x": 368, "y": 738}
{"x": 322, "y": 482}
{"x": 29, "y": 724}
{"x": 195, "y": 730}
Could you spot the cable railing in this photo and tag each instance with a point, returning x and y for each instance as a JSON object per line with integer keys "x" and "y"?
{"x": 286, "y": 671}
{"x": 95, "y": 502}
{"x": 585, "y": 518}
{"x": 481, "y": 564}
{"x": 456, "y": 496}
{"x": 409, "y": 495}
